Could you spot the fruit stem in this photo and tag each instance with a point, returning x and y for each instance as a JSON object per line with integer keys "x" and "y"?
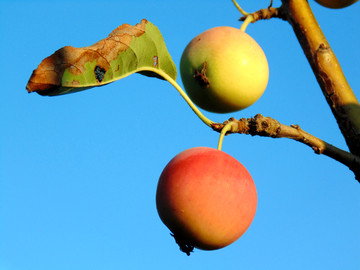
{"x": 223, "y": 132}
{"x": 249, "y": 19}
{"x": 243, "y": 12}
{"x": 173, "y": 82}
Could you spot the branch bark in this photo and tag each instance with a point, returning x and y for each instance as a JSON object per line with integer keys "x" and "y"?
{"x": 268, "y": 127}
{"x": 332, "y": 81}
{"x": 337, "y": 91}
{"x": 326, "y": 67}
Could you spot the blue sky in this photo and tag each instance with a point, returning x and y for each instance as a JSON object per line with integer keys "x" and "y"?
{"x": 78, "y": 173}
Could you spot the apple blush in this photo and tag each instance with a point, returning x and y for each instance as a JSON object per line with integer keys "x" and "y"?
{"x": 206, "y": 198}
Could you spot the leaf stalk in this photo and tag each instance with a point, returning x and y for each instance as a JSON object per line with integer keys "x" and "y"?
{"x": 173, "y": 82}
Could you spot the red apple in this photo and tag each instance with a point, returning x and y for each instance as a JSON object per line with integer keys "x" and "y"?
{"x": 336, "y": 3}
{"x": 206, "y": 198}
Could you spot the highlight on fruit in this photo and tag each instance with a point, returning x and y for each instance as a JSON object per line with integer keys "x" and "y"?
{"x": 206, "y": 198}
{"x": 224, "y": 70}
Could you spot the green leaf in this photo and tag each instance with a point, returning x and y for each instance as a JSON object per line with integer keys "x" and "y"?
{"x": 127, "y": 50}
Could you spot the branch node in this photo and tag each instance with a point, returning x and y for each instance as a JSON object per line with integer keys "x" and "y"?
{"x": 322, "y": 47}
{"x": 265, "y": 126}
{"x": 317, "y": 150}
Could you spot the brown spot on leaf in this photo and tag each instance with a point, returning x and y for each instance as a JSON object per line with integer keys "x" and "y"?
{"x": 75, "y": 82}
{"x": 155, "y": 61}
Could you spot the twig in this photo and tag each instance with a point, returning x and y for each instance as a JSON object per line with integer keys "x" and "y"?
{"x": 336, "y": 89}
{"x": 265, "y": 14}
{"x": 268, "y": 127}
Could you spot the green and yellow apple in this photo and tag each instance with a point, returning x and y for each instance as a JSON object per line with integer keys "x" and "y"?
{"x": 224, "y": 70}
{"x": 206, "y": 198}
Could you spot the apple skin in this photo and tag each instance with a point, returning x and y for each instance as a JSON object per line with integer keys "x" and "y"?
{"x": 206, "y": 198}
{"x": 336, "y": 3}
{"x": 237, "y": 70}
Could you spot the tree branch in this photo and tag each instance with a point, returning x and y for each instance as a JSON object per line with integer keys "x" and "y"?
{"x": 266, "y": 14}
{"x": 327, "y": 70}
{"x": 268, "y": 127}
{"x": 337, "y": 91}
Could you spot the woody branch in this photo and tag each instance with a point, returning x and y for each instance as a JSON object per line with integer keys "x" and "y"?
{"x": 268, "y": 127}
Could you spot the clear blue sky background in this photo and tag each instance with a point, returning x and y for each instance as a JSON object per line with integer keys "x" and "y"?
{"x": 79, "y": 172}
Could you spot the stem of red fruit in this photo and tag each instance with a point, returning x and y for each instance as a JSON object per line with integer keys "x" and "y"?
{"x": 223, "y": 132}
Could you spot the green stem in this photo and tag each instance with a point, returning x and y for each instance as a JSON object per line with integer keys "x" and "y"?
{"x": 249, "y": 19}
{"x": 223, "y": 132}
{"x": 207, "y": 121}
{"x": 243, "y": 12}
